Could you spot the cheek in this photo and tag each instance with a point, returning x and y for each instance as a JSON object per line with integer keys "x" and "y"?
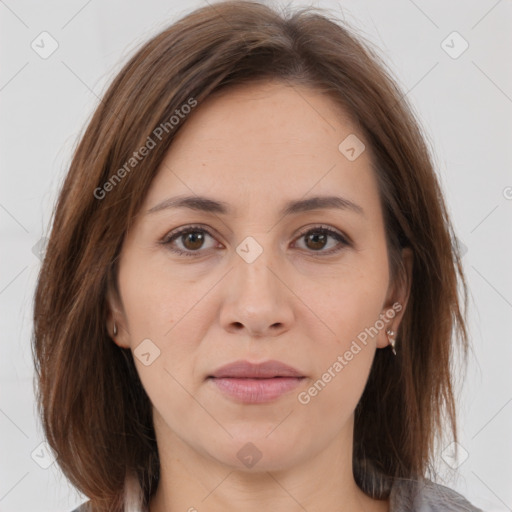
{"x": 342, "y": 364}
{"x": 331, "y": 399}
{"x": 350, "y": 300}
{"x": 350, "y": 307}
{"x": 157, "y": 297}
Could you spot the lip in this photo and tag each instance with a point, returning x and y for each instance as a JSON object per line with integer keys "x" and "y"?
{"x": 266, "y": 370}
{"x": 253, "y": 383}
{"x": 255, "y": 391}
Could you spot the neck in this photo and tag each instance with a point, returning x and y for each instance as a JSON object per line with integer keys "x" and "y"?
{"x": 192, "y": 481}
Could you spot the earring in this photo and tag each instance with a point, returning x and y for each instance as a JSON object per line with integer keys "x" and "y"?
{"x": 115, "y": 328}
{"x": 392, "y": 341}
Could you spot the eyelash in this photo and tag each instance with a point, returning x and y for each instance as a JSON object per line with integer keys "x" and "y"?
{"x": 169, "y": 238}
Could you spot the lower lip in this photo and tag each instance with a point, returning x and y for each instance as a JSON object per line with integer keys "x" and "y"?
{"x": 256, "y": 391}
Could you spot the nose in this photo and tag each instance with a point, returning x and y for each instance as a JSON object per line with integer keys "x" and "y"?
{"x": 257, "y": 299}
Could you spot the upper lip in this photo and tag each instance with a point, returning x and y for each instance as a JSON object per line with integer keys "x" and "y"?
{"x": 248, "y": 370}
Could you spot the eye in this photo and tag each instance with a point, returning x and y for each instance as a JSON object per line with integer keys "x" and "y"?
{"x": 317, "y": 238}
{"x": 192, "y": 239}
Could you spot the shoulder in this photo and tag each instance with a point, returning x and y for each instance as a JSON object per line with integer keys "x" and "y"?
{"x": 410, "y": 496}
{"x": 427, "y": 496}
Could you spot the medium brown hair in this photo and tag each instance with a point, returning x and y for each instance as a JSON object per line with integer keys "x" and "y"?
{"x": 95, "y": 412}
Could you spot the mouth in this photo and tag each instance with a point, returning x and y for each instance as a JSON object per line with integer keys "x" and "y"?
{"x": 248, "y": 370}
{"x": 251, "y": 383}
{"x": 255, "y": 391}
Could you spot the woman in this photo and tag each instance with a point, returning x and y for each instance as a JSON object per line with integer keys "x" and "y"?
{"x": 249, "y": 296}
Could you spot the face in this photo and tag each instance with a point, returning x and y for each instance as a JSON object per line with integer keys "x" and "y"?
{"x": 208, "y": 285}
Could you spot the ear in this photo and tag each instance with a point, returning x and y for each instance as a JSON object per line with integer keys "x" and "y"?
{"x": 115, "y": 313}
{"x": 397, "y": 299}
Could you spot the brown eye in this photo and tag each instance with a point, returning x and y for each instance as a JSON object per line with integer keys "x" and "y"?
{"x": 187, "y": 241}
{"x": 192, "y": 240}
{"x": 317, "y": 239}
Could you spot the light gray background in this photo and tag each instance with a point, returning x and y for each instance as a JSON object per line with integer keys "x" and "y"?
{"x": 465, "y": 105}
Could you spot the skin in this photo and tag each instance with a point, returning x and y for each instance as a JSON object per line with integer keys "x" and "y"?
{"x": 255, "y": 147}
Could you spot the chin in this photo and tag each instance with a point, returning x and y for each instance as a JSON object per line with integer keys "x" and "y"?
{"x": 258, "y": 453}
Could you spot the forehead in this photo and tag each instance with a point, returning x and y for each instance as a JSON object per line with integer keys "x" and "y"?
{"x": 270, "y": 113}
{"x": 267, "y": 140}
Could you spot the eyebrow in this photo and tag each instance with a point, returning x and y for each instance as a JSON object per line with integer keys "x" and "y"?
{"x": 206, "y": 204}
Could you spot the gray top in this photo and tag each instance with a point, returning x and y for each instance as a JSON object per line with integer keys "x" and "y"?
{"x": 426, "y": 496}
{"x": 405, "y": 496}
